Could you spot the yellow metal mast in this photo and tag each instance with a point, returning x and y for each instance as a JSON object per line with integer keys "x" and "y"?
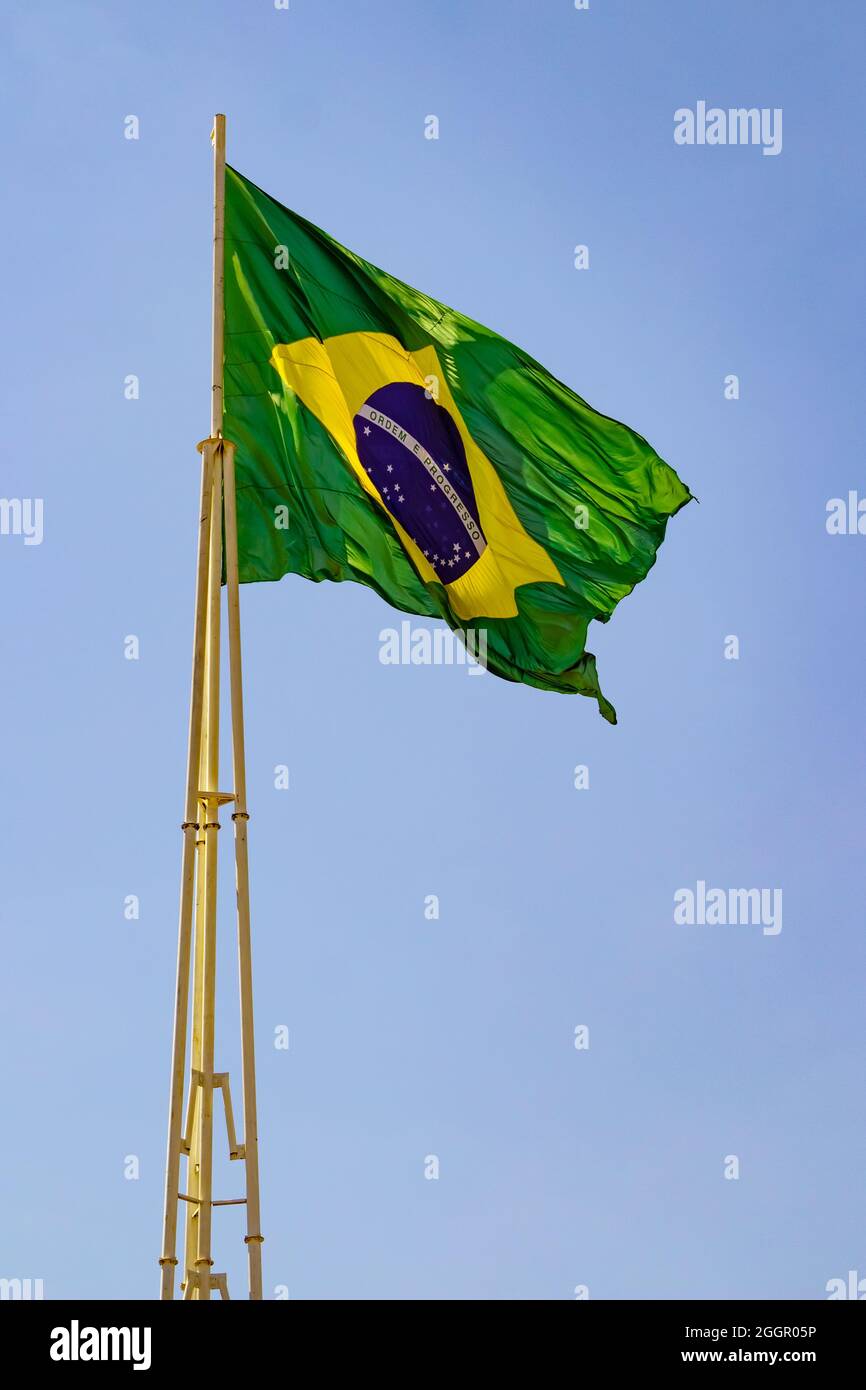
{"x": 198, "y": 897}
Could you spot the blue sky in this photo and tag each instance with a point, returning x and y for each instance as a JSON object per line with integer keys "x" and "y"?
{"x": 602, "y": 1167}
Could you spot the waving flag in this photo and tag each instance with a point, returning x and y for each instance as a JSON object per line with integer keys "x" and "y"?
{"x": 386, "y": 439}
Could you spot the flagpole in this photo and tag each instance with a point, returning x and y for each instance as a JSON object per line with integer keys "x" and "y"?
{"x": 219, "y": 230}
{"x": 200, "y": 826}
{"x": 209, "y": 804}
{"x": 198, "y": 903}
{"x": 240, "y": 817}
{"x": 168, "y": 1259}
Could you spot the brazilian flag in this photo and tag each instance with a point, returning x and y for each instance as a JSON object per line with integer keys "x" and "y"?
{"x": 384, "y": 438}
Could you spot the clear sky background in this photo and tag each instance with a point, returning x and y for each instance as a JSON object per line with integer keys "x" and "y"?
{"x": 454, "y": 1037}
